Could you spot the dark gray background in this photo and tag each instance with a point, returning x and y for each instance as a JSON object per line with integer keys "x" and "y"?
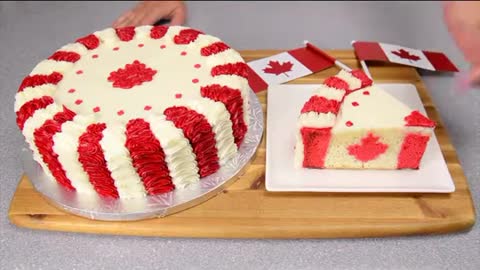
{"x": 30, "y": 32}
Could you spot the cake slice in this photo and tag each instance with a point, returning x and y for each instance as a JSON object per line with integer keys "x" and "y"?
{"x": 351, "y": 123}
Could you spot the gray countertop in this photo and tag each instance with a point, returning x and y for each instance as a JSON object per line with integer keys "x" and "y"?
{"x": 30, "y": 31}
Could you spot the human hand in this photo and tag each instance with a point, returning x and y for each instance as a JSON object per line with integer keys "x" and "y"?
{"x": 463, "y": 22}
{"x": 149, "y": 12}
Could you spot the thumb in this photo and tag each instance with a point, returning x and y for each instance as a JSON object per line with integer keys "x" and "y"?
{"x": 475, "y": 75}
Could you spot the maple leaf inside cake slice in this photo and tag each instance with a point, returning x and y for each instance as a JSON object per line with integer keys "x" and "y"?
{"x": 351, "y": 123}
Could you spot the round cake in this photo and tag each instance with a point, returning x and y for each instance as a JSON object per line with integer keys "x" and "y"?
{"x": 135, "y": 111}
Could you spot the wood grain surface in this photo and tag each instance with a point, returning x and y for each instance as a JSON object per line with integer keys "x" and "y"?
{"x": 246, "y": 210}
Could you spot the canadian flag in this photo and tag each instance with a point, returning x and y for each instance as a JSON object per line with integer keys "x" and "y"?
{"x": 287, "y": 66}
{"x": 378, "y": 51}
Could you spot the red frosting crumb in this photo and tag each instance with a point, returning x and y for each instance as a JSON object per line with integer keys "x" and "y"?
{"x": 417, "y": 119}
{"x": 141, "y": 45}
{"x": 78, "y": 101}
{"x": 183, "y": 53}
{"x": 158, "y": 32}
{"x": 186, "y": 36}
{"x": 200, "y": 134}
{"x": 369, "y": 148}
{"x": 349, "y": 123}
{"x": 125, "y": 33}
{"x": 79, "y": 72}
{"x": 178, "y": 95}
{"x": 40, "y": 79}
{"x": 133, "y": 74}
{"x": 359, "y": 74}
{"x": 43, "y": 138}
{"x": 90, "y": 42}
{"x": 233, "y": 101}
{"x": 214, "y": 48}
{"x": 65, "y": 56}
{"x": 95, "y": 56}
{"x": 195, "y": 80}
{"x": 412, "y": 150}
{"x": 116, "y": 48}
{"x": 147, "y": 108}
{"x": 121, "y": 112}
{"x": 321, "y": 105}
{"x": 239, "y": 69}
{"x": 71, "y": 91}
{"x": 355, "y": 104}
{"x": 163, "y": 47}
{"x": 197, "y": 66}
{"x": 96, "y": 109}
{"x": 28, "y": 109}
{"x": 148, "y": 157}
{"x": 90, "y": 155}
{"x": 315, "y": 146}
{"x": 366, "y": 93}
{"x": 336, "y": 82}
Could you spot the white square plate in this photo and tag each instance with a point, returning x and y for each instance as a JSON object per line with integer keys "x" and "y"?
{"x": 284, "y": 104}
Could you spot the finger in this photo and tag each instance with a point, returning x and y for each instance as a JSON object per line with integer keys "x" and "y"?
{"x": 120, "y": 19}
{"x": 178, "y": 17}
{"x": 126, "y": 20}
{"x": 152, "y": 17}
{"x": 475, "y": 76}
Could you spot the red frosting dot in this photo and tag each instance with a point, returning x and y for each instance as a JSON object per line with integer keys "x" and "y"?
{"x": 366, "y": 93}
{"x": 71, "y": 90}
{"x": 147, "y": 108}
{"x": 116, "y": 48}
{"x": 355, "y": 104}
{"x": 195, "y": 80}
{"x": 197, "y": 66}
{"x": 78, "y": 101}
{"x": 163, "y": 47}
{"x": 121, "y": 112}
{"x": 140, "y": 45}
{"x": 96, "y": 109}
{"x": 183, "y": 53}
{"x": 178, "y": 95}
{"x": 79, "y": 71}
{"x": 95, "y": 56}
{"x": 349, "y": 123}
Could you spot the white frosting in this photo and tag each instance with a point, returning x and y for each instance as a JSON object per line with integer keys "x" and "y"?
{"x": 75, "y": 47}
{"x": 179, "y": 156}
{"x": 219, "y": 119}
{"x": 49, "y": 66}
{"x": 299, "y": 154}
{"x": 142, "y": 32}
{"x": 34, "y": 122}
{"x": 316, "y": 120}
{"x": 65, "y": 145}
{"x": 329, "y": 93}
{"x": 126, "y": 179}
{"x": 376, "y": 110}
{"x": 30, "y": 93}
{"x": 352, "y": 81}
{"x": 108, "y": 37}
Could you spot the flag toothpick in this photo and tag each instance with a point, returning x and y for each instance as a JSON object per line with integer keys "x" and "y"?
{"x": 364, "y": 66}
{"x": 337, "y": 62}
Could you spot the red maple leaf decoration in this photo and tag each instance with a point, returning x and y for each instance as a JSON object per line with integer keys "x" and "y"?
{"x": 369, "y": 148}
{"x": 277, "y": 68}
{"x": 406, "y": 55}
{"x": 133, "y": 74}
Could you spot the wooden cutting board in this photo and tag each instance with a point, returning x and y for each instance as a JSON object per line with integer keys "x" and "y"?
{"x": 246, "y": 210}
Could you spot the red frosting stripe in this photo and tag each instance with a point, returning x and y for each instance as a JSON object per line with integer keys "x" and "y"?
{"x": 186, "y": 36}
{"x": 336, "y": 82}
{"x": 200, "y": 134}
{"x": 233, "y": 101}
{"x": 239, "y": 69}
{"x": 315, "y": 146}
{"x": 125, "y": 33}
{"x": 158, "y": 31}
{"x": 321, "y": 105}
{"x": 29, "y": 108}
{"x": 359, "y": 74}
{"x": 412, "y": 150}
{"x": 40, "y": 79}
{"x": 214, "y": 48}
{"x": 93, "y": 161}
{"x": 65, "y": 56}
{"x": 148, "y": 157}
{"x": 43, "y": 138}
{"x": 90, "y": 42}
